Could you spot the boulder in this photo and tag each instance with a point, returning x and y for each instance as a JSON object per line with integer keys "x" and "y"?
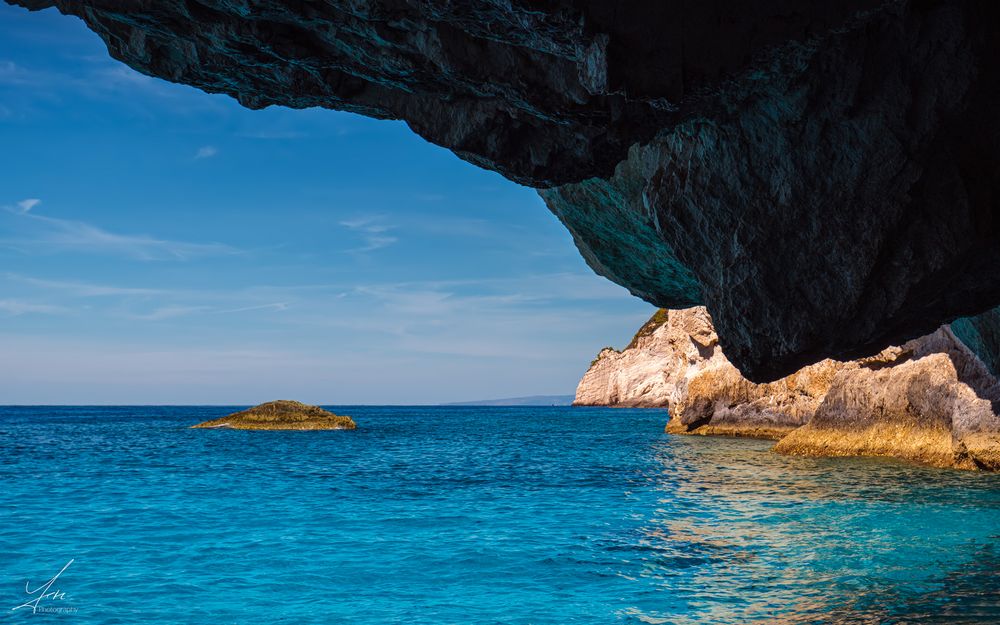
{"x": 931, "y": 401}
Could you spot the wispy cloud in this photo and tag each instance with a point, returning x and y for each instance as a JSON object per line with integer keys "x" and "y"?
{"x": 277, "y": 306}
{"x": 50, "y": 234}
{"x": 571, "y": 288}
{"x": 528, "y": 332}
{"x": 19, "y": 307}
{"x": 101, "y": 77}
{"x": 366, "y": 224}
{"x": 169, "y": 312}
{"x": 265, "y": 134}
{"x": 83, "y": 289}
{"x": 120, "y": 75}
{"x": 13, "y": 74}
{"x": 144, "y": 304}
{"x": 373, "y": 231}
{"x": 173, "y": 312}
{"x": 25, "y": 206}
{"x": 206, "y": 151}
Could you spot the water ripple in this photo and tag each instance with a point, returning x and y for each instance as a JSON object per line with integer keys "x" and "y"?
{"x": 479, "y": 515}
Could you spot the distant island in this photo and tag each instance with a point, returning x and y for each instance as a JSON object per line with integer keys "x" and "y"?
{"x": 531, "y": 400}
{"x": 282, "y": 415}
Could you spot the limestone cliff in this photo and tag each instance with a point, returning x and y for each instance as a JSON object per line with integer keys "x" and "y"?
{"x": 675, "y": 362}
{"x": 931, "y": 400}
{"x": 653, "y": 370}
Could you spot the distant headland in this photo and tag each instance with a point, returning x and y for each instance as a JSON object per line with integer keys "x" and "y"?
{"x": 531, "y": 400}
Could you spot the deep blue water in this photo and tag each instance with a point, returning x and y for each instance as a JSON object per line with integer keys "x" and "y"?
{"x": 476, "y": 515}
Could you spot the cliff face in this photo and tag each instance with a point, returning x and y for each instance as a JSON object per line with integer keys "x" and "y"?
{"x": 675, "y": 362}
{"x": 656, "y": 366}
{"x": 823, "y": 176}
{"x": 931, "y": 400}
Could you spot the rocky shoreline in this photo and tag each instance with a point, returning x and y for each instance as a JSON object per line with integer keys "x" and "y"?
{"x": 931, "y": 400}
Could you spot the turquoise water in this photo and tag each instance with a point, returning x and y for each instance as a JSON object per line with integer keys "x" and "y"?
{"x": 476, "y": 515}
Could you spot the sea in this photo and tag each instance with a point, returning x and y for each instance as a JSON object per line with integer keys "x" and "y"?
{"x": 467, "y": 515}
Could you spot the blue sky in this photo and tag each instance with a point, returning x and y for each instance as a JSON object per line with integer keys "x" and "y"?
{"x": 162, "y": 245}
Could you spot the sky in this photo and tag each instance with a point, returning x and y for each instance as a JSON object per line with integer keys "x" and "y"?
{"x": 159, "y": 245}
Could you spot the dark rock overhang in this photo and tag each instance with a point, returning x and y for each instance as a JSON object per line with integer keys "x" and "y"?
{"x": 822, "y": 175}
{"x": 543, "y": 92}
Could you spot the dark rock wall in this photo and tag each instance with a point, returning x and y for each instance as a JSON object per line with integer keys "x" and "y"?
{"x": 842, "y": 199}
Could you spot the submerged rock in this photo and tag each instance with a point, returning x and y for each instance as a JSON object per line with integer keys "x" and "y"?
{"x": 931, "y": 400}
{"x": 282, "y": 415}
{"x": 823, "y": 176}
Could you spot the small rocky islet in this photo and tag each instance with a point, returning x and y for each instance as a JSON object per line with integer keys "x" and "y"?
{"x": 281, "y": 415}
{"x": 933, "y": 400}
